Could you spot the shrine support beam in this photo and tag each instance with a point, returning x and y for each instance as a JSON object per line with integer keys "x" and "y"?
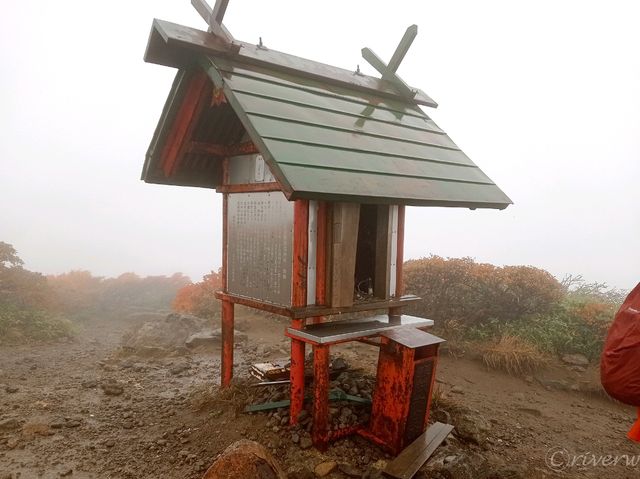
{"x": 298, "y": 298}
{"x": 320, "y": 432}
{"x": 226, "y": 360}
{"x": 227, "y": 342}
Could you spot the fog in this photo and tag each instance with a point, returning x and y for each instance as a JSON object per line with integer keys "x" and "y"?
{"x": 543, "y": 96}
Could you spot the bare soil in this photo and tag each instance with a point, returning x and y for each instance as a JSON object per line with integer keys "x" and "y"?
{"x": 83, "y": 409}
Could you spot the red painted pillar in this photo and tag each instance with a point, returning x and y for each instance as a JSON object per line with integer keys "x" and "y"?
{"x": 320, "y": 432}
{"x": 298, "y": 298}
{"x": 296, "y": 375}
{"x": 227, "y": 343}
{"x": 226, "y": 360}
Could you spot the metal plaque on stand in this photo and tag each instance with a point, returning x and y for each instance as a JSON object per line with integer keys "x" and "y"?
{"x": 260, "y": 242}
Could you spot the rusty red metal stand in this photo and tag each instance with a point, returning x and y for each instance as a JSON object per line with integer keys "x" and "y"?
{"x": 404, "y": 384}
{"x": 402, "y": 398}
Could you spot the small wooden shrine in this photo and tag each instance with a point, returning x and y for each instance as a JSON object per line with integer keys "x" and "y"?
{"x": 316, "y": 165}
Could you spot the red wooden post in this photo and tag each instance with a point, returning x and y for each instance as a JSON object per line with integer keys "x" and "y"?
{"x": 296, "y": 374}
{"x": 227, "y": 343}
{"x": 225, "y": 238}
{"x": 226, "y": 359}
{"x": 300, "y": 247}
{"x": 320, "y": 432}
{"x": 298, "y": 298}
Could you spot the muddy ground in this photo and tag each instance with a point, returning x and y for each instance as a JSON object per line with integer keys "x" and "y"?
{"x": 85, "y": 408}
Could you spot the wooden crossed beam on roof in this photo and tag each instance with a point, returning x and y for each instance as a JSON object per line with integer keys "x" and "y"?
{"x": 213, "y": 17}
{"x": 388, "y": 71}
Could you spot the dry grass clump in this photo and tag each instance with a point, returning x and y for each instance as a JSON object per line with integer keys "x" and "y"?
{"x": 513, "y": 355}
{"x": 441, "y": 400}
{"x": 208, "y": 398}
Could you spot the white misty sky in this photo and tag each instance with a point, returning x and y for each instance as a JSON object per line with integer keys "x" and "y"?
{"x": 544, "y": 96}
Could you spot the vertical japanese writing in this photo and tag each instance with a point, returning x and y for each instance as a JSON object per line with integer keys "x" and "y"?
{"x": 260, "y": 246}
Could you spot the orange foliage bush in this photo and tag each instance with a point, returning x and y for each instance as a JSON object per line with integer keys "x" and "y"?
{"x": 199, "y": 298}
{"x": 20, "y": 287}
{"x": 80, "y": 291}
{"x": 76, "y": 290}
{"x": 26, "y": 302}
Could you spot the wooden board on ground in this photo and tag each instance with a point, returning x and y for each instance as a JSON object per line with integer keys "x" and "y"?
{"x": 418, "y": 452}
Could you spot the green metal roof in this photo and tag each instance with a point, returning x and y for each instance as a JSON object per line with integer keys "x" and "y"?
{"x": 325, "y": 132}
{"x": 329, "y": 142}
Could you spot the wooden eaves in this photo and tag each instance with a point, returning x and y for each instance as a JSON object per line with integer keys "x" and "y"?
{"x": 179, "y": 46}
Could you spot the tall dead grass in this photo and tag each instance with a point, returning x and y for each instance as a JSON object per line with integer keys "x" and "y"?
{"x": 514, "y": 356}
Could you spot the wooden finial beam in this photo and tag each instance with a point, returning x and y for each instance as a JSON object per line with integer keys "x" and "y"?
{"x": 219, "y": 9}
{"x": 388, "y": 71}
{"x": 401, "y": 50}
{"x": 375, "y": 61}
{"x": 213, "y": 17}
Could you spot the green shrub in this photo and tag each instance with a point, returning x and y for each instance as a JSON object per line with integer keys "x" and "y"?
{"x": 24, "y": 324}
{"x": 482, "y": 302}
{"x": 572, "y": 327}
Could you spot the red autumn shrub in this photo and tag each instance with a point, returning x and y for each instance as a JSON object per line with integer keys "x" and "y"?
{"x": 199, "y": 298}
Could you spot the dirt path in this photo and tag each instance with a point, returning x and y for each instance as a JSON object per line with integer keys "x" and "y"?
{"x": 59, "y": 418}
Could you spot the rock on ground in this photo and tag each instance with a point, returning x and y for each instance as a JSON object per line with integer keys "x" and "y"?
{"x": 168, "y": 334}
{"x": 325, "y": 468}
{"x": 211, "y": 338}
{"x": 112, "y": 388}
{"x": 472, "y": 427}
{"x": 10, "y": 424}
{"x": 575, "y": 359}
{"x": 460, "y": 465}
{"x": 245, "y": 459}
